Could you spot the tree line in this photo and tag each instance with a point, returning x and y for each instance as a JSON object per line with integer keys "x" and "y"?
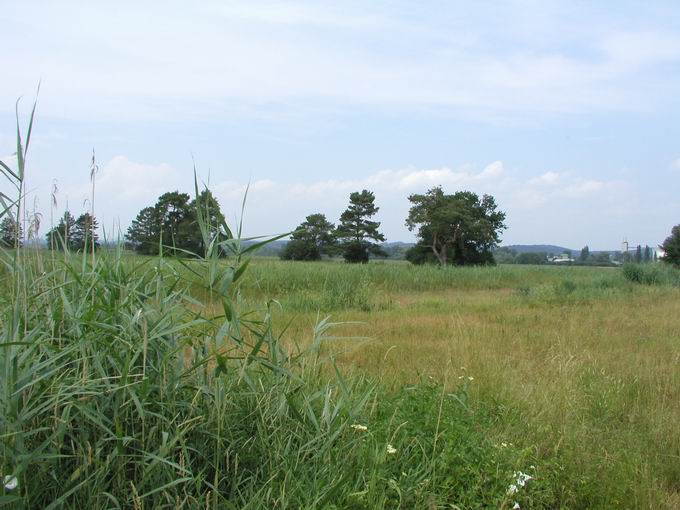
{"x": 172, "y": 225}
{"x": 76, "y": 234}
{"x": 70, "y": 233}
{"x": 460, "y": 228}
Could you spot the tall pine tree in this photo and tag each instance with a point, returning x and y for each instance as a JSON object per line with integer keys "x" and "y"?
{"x": 61, "y": 236}
{"x": 357, "y": 233}
{"x": 145, "y": 232}
{"x": 84, "y": 231}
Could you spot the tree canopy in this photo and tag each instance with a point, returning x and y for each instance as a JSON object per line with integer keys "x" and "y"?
{"x": 312, "y": 239}
{"x": 61, "y": 236}
{"x": 84, "y": 234}
{"x": 671, "y": 247}
{"x": 357, "y": 234}
{"x": 172, "y": 223}
{"x": 11, "y": 232}
{"x": 461, "y": 228}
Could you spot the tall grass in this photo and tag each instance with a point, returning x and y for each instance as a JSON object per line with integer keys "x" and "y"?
{"x": 119, "y": 389}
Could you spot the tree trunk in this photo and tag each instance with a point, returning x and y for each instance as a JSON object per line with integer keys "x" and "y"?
{"x": 440, "y": 253}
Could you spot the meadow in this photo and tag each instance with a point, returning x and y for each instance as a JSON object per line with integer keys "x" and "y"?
{"x": 574, "y": 369}
{"x": 150, "y": 382}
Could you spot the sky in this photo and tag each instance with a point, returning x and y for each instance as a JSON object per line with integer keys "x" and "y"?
{"x": 567, "y": 112}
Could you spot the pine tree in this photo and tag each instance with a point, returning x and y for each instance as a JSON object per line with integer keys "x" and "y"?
{"x": 145, "y": 232}
{"x": 84, "y": 231}
{"x": 585, "y": 254}
{"x": 174, "y": 221}
{"x": 356, "y": 231}
{"x": 172, "y": 211}
{"x": 638, "y": 254}
{"x": 9, "y": 228}
{"x": 61, "y": 236}
{"x": 312, "y": 239}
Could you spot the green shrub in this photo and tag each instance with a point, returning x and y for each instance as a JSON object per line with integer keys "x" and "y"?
{"x": 652, "y": 274}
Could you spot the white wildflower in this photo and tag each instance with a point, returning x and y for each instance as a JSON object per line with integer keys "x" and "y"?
{"x": 522, "y": 478}
{"x": 359, "y": 428}
{"x": 11, "y": 483}
{"x": 471, "y": 378}
{"x": 504, "y": 445}
{"x": 516, "y": 506}
{"x": 391, "y": 450}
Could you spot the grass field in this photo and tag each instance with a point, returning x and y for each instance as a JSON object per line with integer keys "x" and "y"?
{"x": 576, "y": 367}
{"x": 150, "y": 383}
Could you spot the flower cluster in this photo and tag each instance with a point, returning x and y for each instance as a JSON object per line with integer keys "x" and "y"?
{"x": 520, "y": 480}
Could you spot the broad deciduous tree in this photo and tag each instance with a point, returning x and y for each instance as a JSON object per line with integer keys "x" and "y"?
{"x": 671, "y": 247}
{"x": 461, "y": 228}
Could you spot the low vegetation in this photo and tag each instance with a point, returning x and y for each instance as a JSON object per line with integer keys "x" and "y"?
{"x": 198, "y": 377}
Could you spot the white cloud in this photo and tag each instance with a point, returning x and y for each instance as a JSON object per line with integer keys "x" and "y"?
{"x": 276, "y": 206}
{"x": 547, "y": 178}
{"x": 129, "y": 62}
{"x": 129, "y": 180}
{"x": 583, "y": 188}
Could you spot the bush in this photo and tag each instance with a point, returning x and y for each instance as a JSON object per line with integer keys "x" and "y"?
{"x": 651, "y": 274}
{"x": 298, "y": 249}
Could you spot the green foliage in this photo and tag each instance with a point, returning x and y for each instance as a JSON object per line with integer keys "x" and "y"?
{"x": 671, "y": 247}
{"x": 356, "y": 232}
{"x": 84, "y": 232}
{"x": 585, "y": 254}
{"x": 420, "y": 254}
{"x": 144, "y": 232}
{"x": 651, "y": 274}
{"x": 61, "y": 236}
{"x": 460, "y": 229}
{"x": 505, "y": 255}
{"x": 312, "y": 239}
{"x": 11, "y": 233}
{"x": 172, "y": 224}
{"x": 531, "y": 258}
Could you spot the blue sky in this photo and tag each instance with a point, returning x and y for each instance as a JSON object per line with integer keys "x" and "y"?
{"x": 567, "y": 112}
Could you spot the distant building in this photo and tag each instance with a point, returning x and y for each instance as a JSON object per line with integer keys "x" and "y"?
{"x": 628, "y": 252}
{"x": 561, "y": 259}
